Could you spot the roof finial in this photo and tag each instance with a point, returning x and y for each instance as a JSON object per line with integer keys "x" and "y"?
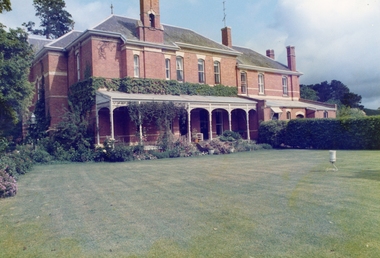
{"x": 225, "y": 15}
{"x": 111, "y": 8}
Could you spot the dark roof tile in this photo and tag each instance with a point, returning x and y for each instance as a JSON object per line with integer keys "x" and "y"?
{"x": 250, "y": 57}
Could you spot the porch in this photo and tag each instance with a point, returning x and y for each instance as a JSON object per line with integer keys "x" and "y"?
{"x": 208, "y": 116}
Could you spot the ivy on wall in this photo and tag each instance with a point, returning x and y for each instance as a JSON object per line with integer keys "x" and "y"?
{"x": 82, "y": 94}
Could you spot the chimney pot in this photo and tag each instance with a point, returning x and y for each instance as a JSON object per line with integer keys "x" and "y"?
{"x": 270, "y": 53}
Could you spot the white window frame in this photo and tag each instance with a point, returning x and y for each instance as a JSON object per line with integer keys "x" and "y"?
{"x": 77, "y": 57}
{"x": 201, "y": 71}
{"x": 179, "y": 68}
{"x": 288, "y": 115}
{"x": 167, "y": 69}
{"x": 244, "y": 88}
{"x": 136, "y": 66}
{"x": 261, "y": 83}
{"x": 285, "y": 90}
{"x": 325, "y": 114}
{"x": 217, "y": 72}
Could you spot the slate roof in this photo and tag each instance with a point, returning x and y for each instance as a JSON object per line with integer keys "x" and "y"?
{"x": 127, "y": 28}
{"x": 250, "y": 57}
{"x": 38, "y": 43}
{"x": 66, "y": 39}
{"x": 172, "y": 36}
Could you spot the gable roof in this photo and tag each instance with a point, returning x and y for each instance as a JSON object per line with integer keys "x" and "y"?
{"x": 38, "y": 43}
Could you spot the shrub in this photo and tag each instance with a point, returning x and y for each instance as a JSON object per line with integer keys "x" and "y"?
{"x": 41, "y": 156}
{"x": 230, "y": 136}
{"x": 8, "y": 185}
{"x": 120, "y": 153}
{"x": 272, "y": 132}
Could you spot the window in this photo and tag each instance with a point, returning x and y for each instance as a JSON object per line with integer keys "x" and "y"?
{"x": 288, "y": 115}
{"x": 243, "y": 77}
{"x": 78, "y": 64}
{"x": 167, "y": 69}
{"x": 39, "y": 89}
{"x": 261, "y": 83}
{"x": 179, "y": 65}
{"x": 136, "y": 63}
{"x": 217, "y": 72}
{"x": 152, "y": 20}
{"x": 325, "y": 114}
{"x": 201, "y": 71}
{"x": 285, "y": 85}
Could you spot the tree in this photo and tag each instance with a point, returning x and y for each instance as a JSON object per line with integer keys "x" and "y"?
{"x": 55, "y": 21}
{"x": 307, "y": 92}
{"x": 334, "y": 92}
{"x": 15, "y": 60}
{"x": 5, "y": 5}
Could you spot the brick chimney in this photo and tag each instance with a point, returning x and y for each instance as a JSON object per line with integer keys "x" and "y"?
{"x": 270, "y": 53}
{"x": 226, "y": 37}
{"x": 291, "y": 58}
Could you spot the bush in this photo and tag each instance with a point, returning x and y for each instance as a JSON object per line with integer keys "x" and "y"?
{"x": 41, "y": 156}
{"x": 347, "y": 133}
{"x": 230, "y": 136}
{"x": 272, "y": 132}
{"x": 8, "y": 185}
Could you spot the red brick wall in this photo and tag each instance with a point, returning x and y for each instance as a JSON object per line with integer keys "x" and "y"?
{"x": 105, "y": 57}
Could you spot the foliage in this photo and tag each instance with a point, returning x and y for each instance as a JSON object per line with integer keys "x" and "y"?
{"x": 372, "y": 112}
{"x": 346, "y": 133}
{"x": 41, "y": 156}
{"x": 334, "y": 92}
{"x": 347, "y": 112}
{"x": 5, "y": 5}
{"x": 55, "y": 20}
{"x": 73, "y": 132}
{"x": 15, "y": 91}
{"x": 8, "y": 185}
{"x": 272, "y": 132}
{"x": 230, "y": 136}
{"x": 149, "y": 86}
{"x": 17, "y": 162}
{"x": 307, "y": 92}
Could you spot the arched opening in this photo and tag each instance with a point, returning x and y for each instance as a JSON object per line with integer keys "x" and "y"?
{"x": 200, "y": 122}
{"x": 152, "y": 20}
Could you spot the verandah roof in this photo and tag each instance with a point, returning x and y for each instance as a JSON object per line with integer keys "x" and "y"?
{"x": 115, "y": 99}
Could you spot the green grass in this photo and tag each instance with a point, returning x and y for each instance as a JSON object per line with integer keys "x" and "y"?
{"x": 277, "y": 203}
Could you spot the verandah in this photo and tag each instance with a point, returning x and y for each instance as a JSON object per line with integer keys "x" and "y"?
{"x": 237, "y": 111}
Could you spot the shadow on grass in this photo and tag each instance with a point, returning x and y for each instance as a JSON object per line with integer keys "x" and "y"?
{"x": 370, "y": 174}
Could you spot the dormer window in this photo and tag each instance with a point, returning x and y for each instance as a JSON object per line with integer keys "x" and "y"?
{"x": 152, "y": 19}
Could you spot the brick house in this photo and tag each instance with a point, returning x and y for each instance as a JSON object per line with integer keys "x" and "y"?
{"x": 122, "y": 47}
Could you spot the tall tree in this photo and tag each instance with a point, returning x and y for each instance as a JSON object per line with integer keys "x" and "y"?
{"x": 55, "y": 21}
{"x": 15, "y": 60}
{"x": 334, "y": 92}
{"x": 5, "y": 5}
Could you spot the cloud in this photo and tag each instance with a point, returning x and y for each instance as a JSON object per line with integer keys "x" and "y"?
{"x": 334, "y": 40}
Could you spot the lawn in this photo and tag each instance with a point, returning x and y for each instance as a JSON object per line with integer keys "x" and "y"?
{"x": 275, "y": 203}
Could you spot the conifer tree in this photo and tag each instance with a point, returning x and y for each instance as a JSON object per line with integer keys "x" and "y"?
{"x": 55, "y": 20}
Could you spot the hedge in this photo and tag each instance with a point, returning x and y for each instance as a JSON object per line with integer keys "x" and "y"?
{"x": 349, "y": 133}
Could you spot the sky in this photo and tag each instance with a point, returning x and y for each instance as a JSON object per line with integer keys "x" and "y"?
{"x": 334, "y": 39}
